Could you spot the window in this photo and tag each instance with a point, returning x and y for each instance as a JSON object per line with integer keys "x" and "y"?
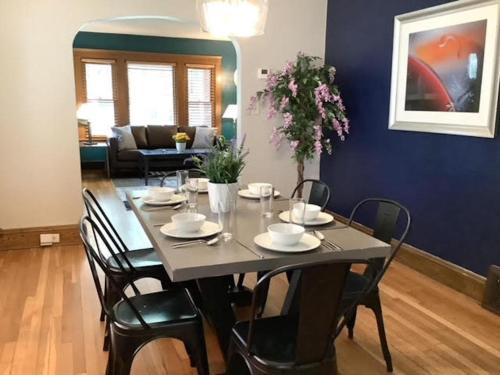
{"x": 200, "y": 97}
{"x": 151, "y": 94}
{"x": 99, "y": 94}
{"x": 142, "y": 88}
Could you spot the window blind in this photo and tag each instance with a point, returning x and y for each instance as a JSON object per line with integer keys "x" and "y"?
{"x": 201, "y": 96}
{"x": 151, "y": 89}
{"x": 99, "y": 87}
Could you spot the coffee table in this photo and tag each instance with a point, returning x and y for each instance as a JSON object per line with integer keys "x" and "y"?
{"x": 165, "y": 153}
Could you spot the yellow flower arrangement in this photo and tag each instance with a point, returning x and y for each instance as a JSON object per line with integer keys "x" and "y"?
{"x": 181, "y": 138}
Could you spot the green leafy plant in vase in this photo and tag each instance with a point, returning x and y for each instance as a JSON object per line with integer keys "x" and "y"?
{"x": 223, "y": 167}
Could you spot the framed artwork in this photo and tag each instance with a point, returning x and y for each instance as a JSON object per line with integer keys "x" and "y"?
{"x": 445, "y": 70}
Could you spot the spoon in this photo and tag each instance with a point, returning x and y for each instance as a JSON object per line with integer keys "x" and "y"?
{"x": 210, "y": 242}
{"x": 162, "y": 208}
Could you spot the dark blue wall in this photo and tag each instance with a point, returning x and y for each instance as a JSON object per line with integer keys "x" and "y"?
{"x": 185, "y": 46}
{"x": 451, "y": 184}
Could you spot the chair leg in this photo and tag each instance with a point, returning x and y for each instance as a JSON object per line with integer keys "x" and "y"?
{"x": 109, "y": 365}
{"x": 195, "y": 346}
{"x": 264, "y": 292}
{"x": 351, "y": 322}
{"x": 107, "y": 339}
{"x": 376, "y": 306}
{"x": 237, "y": 366}
{"x": 112, "y": 297}
{"x": 123, "y": 349}
{"x": 103, "y": 315}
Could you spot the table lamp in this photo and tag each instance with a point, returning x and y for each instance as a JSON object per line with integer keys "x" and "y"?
{"x": 83, "y": 115}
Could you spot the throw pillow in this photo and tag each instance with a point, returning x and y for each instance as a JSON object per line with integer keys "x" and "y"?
{"x": 139, "y": 133}
{"x": 125, "y": 138}
{"x": 204, "y": 137}
{"x": 160, "y": 136}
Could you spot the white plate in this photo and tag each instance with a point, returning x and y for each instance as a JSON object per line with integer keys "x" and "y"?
{"x": 307, "y": 243}
{"x": 207, "y": 229}
{"x": 176, "y": 199}
{"x": 245, "y": 193}
{"x": 322, "y": 219}
{"x": 201, "y": 191}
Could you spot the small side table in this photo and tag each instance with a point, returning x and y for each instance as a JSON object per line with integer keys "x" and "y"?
{"x": 97, "y": 152}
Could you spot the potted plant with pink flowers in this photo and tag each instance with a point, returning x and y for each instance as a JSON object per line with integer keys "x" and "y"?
{"x": 304, "y": 95}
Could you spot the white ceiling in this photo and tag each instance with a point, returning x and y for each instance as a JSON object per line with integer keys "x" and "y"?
{"x": 154, "y": 26}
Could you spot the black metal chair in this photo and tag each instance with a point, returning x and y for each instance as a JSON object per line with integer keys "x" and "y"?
{"x": 301, "y": 340}
{"x": 390, "y": 217}
{"x": 319, "y": 193}
{"x": 135, "y": 321}
{"x": 123, "y": 263}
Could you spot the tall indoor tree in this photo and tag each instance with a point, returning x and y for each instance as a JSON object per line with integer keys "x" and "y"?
{"x": 312, "y": 111}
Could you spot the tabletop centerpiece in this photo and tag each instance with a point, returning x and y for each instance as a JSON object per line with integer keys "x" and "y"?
{"x": 305, "y": 95}
{"x": 223, "y": 167}
{"x": 181, "y": 139}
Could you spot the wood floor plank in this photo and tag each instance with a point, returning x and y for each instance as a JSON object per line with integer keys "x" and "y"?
{"x": 58, "y": 327}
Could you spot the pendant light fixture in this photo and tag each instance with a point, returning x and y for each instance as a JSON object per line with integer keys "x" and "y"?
{"x": 233, "y": 18}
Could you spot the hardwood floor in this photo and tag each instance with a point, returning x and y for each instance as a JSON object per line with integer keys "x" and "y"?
{"x": 49, "y": 320}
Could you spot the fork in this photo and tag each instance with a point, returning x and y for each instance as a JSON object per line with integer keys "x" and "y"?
{"x": 327, "y": 243}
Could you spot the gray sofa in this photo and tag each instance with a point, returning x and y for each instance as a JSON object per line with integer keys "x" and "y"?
{"x": 148, "y": 137}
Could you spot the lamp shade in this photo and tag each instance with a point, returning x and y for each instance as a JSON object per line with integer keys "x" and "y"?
{"x": 237, "y": 18}
{"x": 231, "y": 112}
{"x": 85, "y": 112}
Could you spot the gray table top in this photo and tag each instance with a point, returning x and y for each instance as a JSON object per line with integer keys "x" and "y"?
{"x": 240, "y": 254}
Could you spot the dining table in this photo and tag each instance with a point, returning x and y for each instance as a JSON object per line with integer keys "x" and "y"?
{"x": 213, "y": 267}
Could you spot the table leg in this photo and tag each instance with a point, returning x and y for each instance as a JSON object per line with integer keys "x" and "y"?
{"x": 106, "y": 162}
{"x": 216, "y": 304}
{"x": 146, "y": 170}
{"x": 291, "y": 303}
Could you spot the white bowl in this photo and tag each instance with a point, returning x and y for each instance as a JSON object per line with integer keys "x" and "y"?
{"x": 161, "y": 194}
{"x": 254, "y": 188}
{"x": 188, "y": 221}
{"x": 285, "y": 234}
{"x": 203, "y": 183}
{"x": 311, "y": 211}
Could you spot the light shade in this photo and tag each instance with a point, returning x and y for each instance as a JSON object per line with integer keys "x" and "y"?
{"x": 85, "y": 112}
{"x": 238, "y": 18}
{"x": 231, "y": 112}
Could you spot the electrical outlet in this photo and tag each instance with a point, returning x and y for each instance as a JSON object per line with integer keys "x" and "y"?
{"x": 48, "y": 239}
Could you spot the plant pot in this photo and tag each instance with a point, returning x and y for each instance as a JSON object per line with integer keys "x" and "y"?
{"x": 223, "y": 196}
{"x": 181, "y": 147}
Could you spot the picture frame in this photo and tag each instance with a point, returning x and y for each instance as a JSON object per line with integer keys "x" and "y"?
{"x": 445, "y": 72}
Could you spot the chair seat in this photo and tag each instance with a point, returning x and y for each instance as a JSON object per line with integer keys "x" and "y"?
{"x": 274, "y": 340}
{"x": 160, "y": 308}
{"x": 143, "y": 258}
{"x": 355, "y": 284}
